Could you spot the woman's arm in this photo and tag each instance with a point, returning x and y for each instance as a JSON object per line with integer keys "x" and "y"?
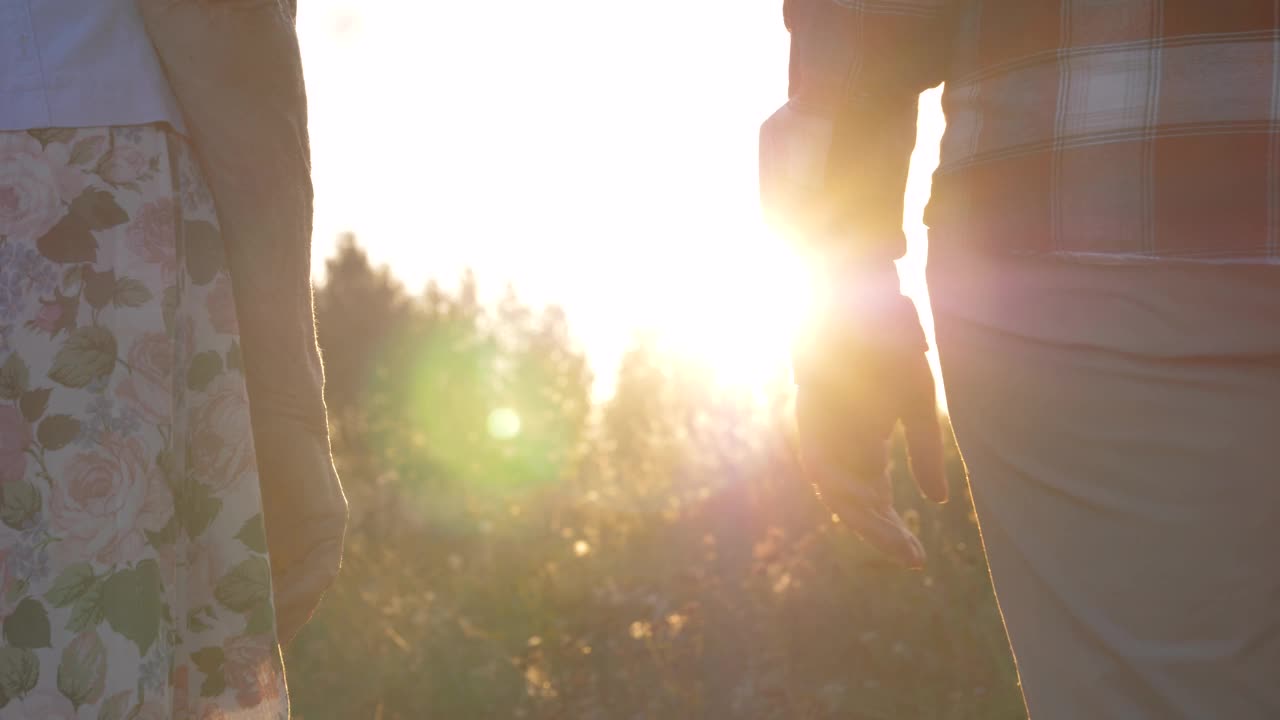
{"x": 236, "y": 71}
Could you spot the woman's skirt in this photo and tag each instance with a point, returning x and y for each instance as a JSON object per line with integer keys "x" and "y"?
{"x": 134, "y": 578}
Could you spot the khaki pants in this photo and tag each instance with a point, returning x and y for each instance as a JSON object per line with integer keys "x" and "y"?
{"x": 1121, "y": 426}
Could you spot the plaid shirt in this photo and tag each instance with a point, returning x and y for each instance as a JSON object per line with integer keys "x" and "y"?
{"x": 1118, "y": 127}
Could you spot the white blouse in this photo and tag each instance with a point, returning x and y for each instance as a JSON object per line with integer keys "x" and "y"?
{"x": 79, "y": 63}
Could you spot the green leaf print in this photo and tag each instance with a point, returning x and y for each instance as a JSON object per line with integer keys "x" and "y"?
{"x": 130, "y": 293}
{"x": 131, "y": 603}
{"x": 28, "y": 626}
{"x": 195, "y": 505}
{"x": 14, "y": 377}
{"x": 210, "y": 662}
{"x": 19, "y": 504}
{"x": 261, "y": 620}
{"x": 82, "y": 673}
{"x": 204, "y": 251}
{"x": 88, "y": 354}
{"x": 57, "y": 431}
{"x": 166, "y": 535}
{"x": 169, "y": 306}
{"x": 248, "y": 584}
{"x": 99, "y": 287}
{"x": 33, "y": 403}
{"x": 19, "y": 671}
{"x": 253, "y": 534}
{"x": 98, "y": 210}
{"x": 69, "y": 241}
{"x": 204, "y": 368}
{"x": 46, "y": 136}
{"x": 72, "y": 583}
{"x": 87, "y": 612}
{"x": 116, "y": 707}
{"x": 86, "y": 149}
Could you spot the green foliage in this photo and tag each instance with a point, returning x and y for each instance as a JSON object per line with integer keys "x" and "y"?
{"x": 88, "y": 354}
{"x": 131, "y": 603}
{"x": 82, "y": 672}
{"x": 19, "y": 503}
{"x": 655, "y": 556}
{"x": 28, "y": 626}
{"x": 202, "y": 248}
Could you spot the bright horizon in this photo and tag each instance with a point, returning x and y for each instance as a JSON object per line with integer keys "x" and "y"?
{"x": 596, "y": 156}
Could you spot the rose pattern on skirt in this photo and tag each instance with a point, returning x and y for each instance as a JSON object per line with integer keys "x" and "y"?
{"x": 105, "y": 502}
{"x": 30, "y": 196}
{"x": 134, "y": 580}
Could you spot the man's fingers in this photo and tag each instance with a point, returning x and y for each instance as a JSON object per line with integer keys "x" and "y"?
{"x": 923, "y": 433}
{"x": 884, "y": 530}
{"x": 924, "y": 444}
{"x": 844, "y": 449}
{"x": 863, "y": 499}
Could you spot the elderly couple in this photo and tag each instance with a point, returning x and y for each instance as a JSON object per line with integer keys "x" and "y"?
{"x": 1105, "y": 228}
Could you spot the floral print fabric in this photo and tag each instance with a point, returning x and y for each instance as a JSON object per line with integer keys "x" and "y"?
{"x": 134, "y": 579}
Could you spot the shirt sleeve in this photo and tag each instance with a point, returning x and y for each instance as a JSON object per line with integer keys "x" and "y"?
{"x": 863, "y": 64}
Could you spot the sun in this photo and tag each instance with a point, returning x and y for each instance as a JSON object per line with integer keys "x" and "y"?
{"x": 740, "y": 313}
{"x": 738, "y": 310}
{"x": 738, "y": 304}
{"x": 741, "y": 310}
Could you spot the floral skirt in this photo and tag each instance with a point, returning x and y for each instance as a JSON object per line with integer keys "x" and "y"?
{"x": 134, "y": 579}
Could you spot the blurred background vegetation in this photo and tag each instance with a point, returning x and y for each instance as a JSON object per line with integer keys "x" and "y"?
{"x": 517, "y": 550}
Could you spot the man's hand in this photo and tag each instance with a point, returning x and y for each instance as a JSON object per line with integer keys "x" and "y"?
{"x": 826, "y": 183}
{"x": 857, "y": 380}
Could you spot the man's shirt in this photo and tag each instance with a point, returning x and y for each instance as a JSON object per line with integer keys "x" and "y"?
{"x": 1112, "y": 127}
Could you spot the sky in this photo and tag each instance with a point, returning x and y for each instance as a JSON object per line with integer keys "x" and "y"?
{"x": 596, "y": 154}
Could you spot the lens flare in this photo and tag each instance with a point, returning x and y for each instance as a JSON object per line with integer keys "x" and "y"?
{"x": 504, "y": 424}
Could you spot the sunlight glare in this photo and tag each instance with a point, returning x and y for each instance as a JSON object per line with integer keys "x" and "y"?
{"x": 504, "y": 424}
{"x": 742, "y": 311}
